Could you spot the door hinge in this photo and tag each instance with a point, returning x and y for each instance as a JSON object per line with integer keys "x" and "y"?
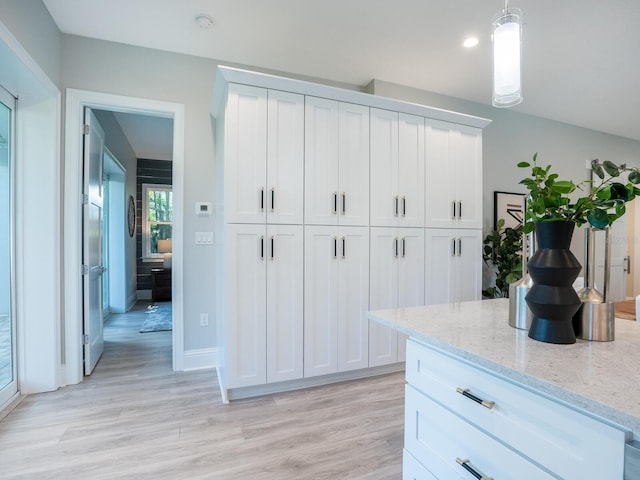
{"x": 85, "y": 339}
{"x": 84, "y": 269}
{"x": 84, "y": 199}
{"x": 86, "y": 129}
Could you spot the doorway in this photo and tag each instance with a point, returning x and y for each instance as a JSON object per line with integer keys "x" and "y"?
{"x": 77, "y": 100}
{"x": 8, "y": 356}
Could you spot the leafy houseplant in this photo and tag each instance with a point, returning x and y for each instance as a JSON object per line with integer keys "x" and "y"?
{"x": 503, "y": 248}
{"x": 602, "y": 205}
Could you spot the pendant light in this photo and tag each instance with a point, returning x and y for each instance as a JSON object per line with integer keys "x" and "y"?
{"x": 507, "y": 46}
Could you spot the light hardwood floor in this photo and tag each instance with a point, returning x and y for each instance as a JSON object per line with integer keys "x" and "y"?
{"x": 136, "y": 419}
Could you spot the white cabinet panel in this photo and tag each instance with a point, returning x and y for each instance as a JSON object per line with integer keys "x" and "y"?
{"x": 246, "y": 278}
{"x": 336, "y": 163}
{"x": 321, "y": 161}
{"x": 320, "y": 300}
{"x": 245, "y": 154}
{"x": 285, "y": 158}
{"x": 396, "y": 280}
{"x": 397, "y": 169}
{"x": 336, "y": 299}
{"x": 284, "y": 302}
{"x": 353, "y": 299}
{"x": 384, "y": 167}
{"x": 353, "y": 167}
{"x": 454, "y": 175}
{"x": 412, "y": 469}
{"x": 263, "y": 145}
{"x": 411, "y": 171}
{"x": 453, "y": 265}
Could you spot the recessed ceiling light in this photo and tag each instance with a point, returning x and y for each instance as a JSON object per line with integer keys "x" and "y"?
{"x": 470, "y": 42}
{"x": 204, "y": 21}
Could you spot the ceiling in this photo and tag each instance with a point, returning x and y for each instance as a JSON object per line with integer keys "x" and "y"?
{"x": 581, "y": 62}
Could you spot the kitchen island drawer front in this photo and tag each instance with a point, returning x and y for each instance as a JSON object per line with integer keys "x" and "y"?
{"x": 565, "y": 441}
{"x": 412, "y": 469}
{"x": 438, "y": 438}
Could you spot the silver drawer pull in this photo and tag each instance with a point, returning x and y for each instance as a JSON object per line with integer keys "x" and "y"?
{"x": 466, "y": 464}
{"x": 467, "y": 393}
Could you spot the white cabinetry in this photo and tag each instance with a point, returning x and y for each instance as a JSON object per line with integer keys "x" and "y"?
{"x": 263, "y": 148}
{"x": 336, "y": 163}
{"x": 336, "y": 296}
{"x": 264, "y": 297}
{"x": 397, "y": 169}
{"x": 396, "y": 280}
{"x": 453, "y": 265}
{"x": 460, "y": 417}
{"x": 454, "y": 175}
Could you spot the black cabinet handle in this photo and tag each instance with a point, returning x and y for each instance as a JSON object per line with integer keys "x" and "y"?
{"x": 404, "y": 244}
{"x": 262, "y": 199}
{"x": 404, "y": 206}
{"x": 453, "y": 206}
{"x": 344, "y": 247}
{"x": 465, "y": 392}
{"x": 344, "y": 203}
{"x": 460, "y": 210}
{"x": 453, "y": 247}
{"x": 273, "y": 199}
{"x": 272, "y": 248}
{"x": 396, "y": 206}
{"x": 261, "y": 248}
{"x": 459, "y": 246}
{"x": 466, "y": 464}
{"x": 335, "y": 203}
{"x": 335, "y": 247}
{"x": 395, "y": 251}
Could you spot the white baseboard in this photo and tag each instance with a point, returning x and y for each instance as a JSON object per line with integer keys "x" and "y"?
{"x": 200, "y": 358}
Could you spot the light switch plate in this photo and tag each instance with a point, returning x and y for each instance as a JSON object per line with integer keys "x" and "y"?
{"x": 204, "y": 238}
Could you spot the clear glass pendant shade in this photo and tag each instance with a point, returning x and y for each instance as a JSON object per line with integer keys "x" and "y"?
{"x": 507, "y": 45}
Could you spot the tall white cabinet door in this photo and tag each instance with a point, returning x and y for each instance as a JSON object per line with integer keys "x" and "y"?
{"x": 439, "y": 265}
{"x": 385, "y": 252}
{"x": 410, "y": 275}
{"x": 353, "y": 298}
{"x": 285, "y": 158}
{"x": 284, "y": 302}
{"x": 320, "y": 300}
{"x": 440, "y": 174}
{"x": 353, "y": 166}
{"x": 411, "y": 168}
{"x": 321, "y": 161}
{"x": 245, "y": 266}
{"x": 468, "y": 279}
{"x": 245, "y": 145}
{"x": 384, "y": 168}
{"x": 468, "y": 162}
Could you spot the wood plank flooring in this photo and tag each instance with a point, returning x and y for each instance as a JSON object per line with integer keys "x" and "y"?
{"x": 136, "y": 419}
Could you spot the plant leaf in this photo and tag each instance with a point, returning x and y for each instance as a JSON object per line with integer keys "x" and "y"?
{"x": 524, "y": 164}
{"x": 634, "y": 177}
{"x": 598, "y": 218}
{"x": 611, "y": 168}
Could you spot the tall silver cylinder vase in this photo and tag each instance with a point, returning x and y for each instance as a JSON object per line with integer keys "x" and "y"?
{"x": 595, "y": 320}
{"x": 519, "y": 313}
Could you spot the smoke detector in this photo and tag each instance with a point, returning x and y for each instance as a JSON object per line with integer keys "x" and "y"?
{"x": 204, "y": 21}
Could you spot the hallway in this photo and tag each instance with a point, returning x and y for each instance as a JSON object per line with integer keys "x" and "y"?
{"x": 135, "y": 418}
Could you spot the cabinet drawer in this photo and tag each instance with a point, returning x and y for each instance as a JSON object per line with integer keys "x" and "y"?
{"x": 568, "y": 443}
{"x": 437, "y": 438}
{"x": 412, "y": 469}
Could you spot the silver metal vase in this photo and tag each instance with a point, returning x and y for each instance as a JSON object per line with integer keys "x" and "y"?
{"x": 519, "y": 313}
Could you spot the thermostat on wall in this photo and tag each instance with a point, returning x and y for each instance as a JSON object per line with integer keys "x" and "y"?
{"x": 203, "y": 208}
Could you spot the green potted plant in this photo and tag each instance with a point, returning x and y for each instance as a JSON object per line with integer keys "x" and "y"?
{"x": 604, "y": 202}
{"x": 553, "y": 214}
{"x": 502, "y": 248}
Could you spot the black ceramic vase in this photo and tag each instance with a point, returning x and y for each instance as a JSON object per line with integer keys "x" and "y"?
{"x": 552, "y": 298}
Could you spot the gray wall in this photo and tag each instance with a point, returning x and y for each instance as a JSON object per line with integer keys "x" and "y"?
{"x": 31, "y": 24}
{"x": 139, "y": 72}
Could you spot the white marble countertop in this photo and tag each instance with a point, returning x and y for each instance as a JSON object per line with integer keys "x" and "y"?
{"x": 599, "y": 377}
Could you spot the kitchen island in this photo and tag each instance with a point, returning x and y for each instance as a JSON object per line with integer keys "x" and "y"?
{"x": 555, "y": 411}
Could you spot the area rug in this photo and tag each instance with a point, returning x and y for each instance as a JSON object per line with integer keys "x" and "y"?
{"x": 157, "y": 318}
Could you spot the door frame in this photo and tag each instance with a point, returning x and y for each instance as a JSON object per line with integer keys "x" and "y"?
{"x": 76, "y": 101}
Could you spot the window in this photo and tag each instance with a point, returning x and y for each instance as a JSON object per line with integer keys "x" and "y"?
{"x": 157, "y": 218}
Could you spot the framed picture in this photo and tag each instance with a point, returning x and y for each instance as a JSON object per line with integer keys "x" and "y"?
{"x": 509, "y": 207}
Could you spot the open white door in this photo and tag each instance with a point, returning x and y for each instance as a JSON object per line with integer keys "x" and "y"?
{"x": 92, "y": 241}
